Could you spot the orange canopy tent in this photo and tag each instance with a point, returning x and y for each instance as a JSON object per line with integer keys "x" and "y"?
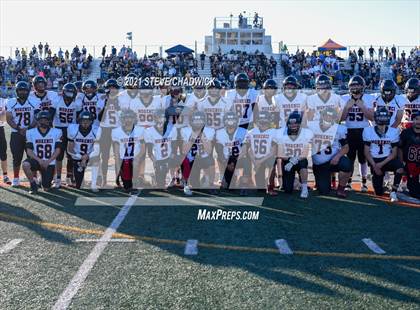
{"x": 330, "y": 45}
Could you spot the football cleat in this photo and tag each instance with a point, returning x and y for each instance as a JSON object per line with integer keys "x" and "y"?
{"x": 393, "y": 196}
{"x": 34, "y": 188}
{"x": 57, "y": 183}
{"x": 187, "y": 190}
{"x": 16, "y": 182}
{"x": 341, "y": 192}
{"x": 270, "y": 191}
{"x": 348, "y": 187}
{"x": 304, "y": 193}
{"x": 6, "y": 180}
{"x": 364, "y": 188}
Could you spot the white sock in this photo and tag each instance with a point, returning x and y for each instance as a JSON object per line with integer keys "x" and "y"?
{"x": 364, "y": 170}
{"x": 95, "y": 171}
{"x": 304, "y": 185}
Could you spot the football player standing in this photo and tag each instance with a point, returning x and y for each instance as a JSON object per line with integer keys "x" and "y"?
{"x": 357, "y": 114}
{"x": 20, "y": 115}
{"x": 42, "y": 97}
{"x": 388, "y": 98}
{"x": 43, "y": 145}
{"x": 91, "y": 101}
{"x": 412, "y": 91}
{"x": 3, "y": 143}
{"x": 266, "y": 102}
{"x": 381, "y": 144}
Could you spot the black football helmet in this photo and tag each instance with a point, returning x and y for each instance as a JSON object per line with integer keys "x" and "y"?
{"x": 328, "y": 116}
{"x": 128, "y": 118}
{"x": 85, "y": 120}
{"x": 382, "y": 116}
{"x": 412, "y": 88}
{"x": 230, "y": 120}
{"x": 89, "y": 88}
{"x": 43, "y": 119}
{"x": 22, "y": 90}
{"x": 264, "y": 119}
{"x": 241, "y": 81}
{"x": 323, "y": 82}
{"x": 39, "y": 83}
{"x": 69, "y": 92}
{"x": 270, "y": 84}
{"x": 198, "y": 120}
{"x": 294, "y": 122}
{"x": 357, "y": 85}
{"x": 290, "y": 82}
{"x": 214, "y": 89}
{"x": 388, "y": 90}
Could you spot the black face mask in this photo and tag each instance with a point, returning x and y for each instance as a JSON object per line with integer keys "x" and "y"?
{"x": 44, "y": 126}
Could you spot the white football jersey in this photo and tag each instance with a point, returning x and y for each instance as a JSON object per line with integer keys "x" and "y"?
{"x": 126, "y": 101}
{"x": 65, "y": 114}
{"x": 355, "y": 117}
{"x": 192, "y": 101}
{"x": 232, "y": 145}
{"x": 94, "y": 105}
{"x": 287, "y": 106}
{"x": 197, "y": 147}
{"x": 260, "y": 141}
{"x": 2, "y": 112}
{"x": 110, "y": 118}
{"x": 214, "y": 111}
{"x": 326, "y": 144}
{"x": 394, "y": 106}
{"x": 317, "y": 104}
{"x": 145, "y": 112}
{"x": 45, "y": 102}
{"x": 287, "y": 147}
{"x": 44, "y": 144}
{"x": 243, "y": 105}
{"x": 83, "y": 144}
{"x": 380, "y": 146}
{"x": 129, "y": 143}
{"x": 23, "y": 114}
{"x": 162, "y": 147}
{"x": 409, "y": 108}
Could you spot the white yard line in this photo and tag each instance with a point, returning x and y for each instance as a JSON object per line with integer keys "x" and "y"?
{"x": 10, "y": 246}
{"x": 283, "y": 247}
{"x": 99, "y": 240}
{"x": 191, "y": 247}
{"x": 79, "y": 278}
{"x": 373, "y": 246}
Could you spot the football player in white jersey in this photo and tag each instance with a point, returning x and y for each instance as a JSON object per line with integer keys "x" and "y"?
{"x": 329, "y": 152}
{"x": 412, "y": 92}
{"x": 357, "y": 114}
{"x": 64, "y": 112}
{"x": 262, "y": 151}
{"x": 20, "y": 115}
{"x": 197, "y": 147}
{"x": 214, "y": 105}
{"x": 381, "y": 146}
{"x": 43, "y": 144}
{"x": 42, "y": 97}
{"x": 199, "y": 92}
{"x": 230, "y": 151}
{"x": 291, "y": 99}
{"x": 3, "y": 143}
{"x": 129, "y": 97}
{"x": 293, "y": 147}
{"x": 160, "y": 143}
{"x": 323, "y": 98}
{"x": 394, "y": 103}
{"x": 128, "y": 143}
{"x": 109, "y": 121}
{"x": 91, "y": 101}
{"x": 82, "y": 140}
{"x": 266, "y": 102}
{"x": 243, "y": 100}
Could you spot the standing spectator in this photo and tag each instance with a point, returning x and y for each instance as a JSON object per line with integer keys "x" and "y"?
{"x": 113, "y": 51}
{"x": 403, "y": 56}
{"x": 387, "y": 53}
{"x": 67, "y": 54}
{"x": 84, "y": 51}
{"x": 46, "y": 49}
{"x": 202, "y": 60}
{"x": 40, "y": 49}
{"x": 360, "y": 53}
{"x": 103, "y": 51}
{"x": 371, "y": 52}
{"x": 394, "y": 52}
{"x": 60, "y": 53}
{"x": 381, "y": 54}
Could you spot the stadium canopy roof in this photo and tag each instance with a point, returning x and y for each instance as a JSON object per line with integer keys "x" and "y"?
{"x": 179, "y": 49}
{"x": 330, "y": 45}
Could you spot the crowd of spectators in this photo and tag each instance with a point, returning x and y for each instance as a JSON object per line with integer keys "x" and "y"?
{"x": 256, "y": 65}
{"x": 57, "y": 68}
{"x": 307, "y": 66}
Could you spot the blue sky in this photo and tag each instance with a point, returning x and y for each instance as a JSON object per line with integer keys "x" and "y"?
{"x": 94, "y": 22}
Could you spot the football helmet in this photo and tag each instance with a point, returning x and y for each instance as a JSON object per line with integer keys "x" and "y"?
{"x": 40, "y": 84}
{"x": 85, "y": 120}
{"x": 264, "y": 119}
{"x": 270, "y": 84}
{"x": 214, "y": 89}
{"x": 323, "y": 82}
{"x": 290, "y": 82}
{"x": 89, "y": 88}
{"x": 294, "y": 122}
{"x": 356, "y": 85}
{"x": 388, "y": 90}
{"x": 328, "y": 117}
{"x": 44, "y": 119}
{"x": 412, "y": 88}
{"x": 69, "y": 92}
{"x": 128, "y": 118}
{"x": 230, "y": 120}
{"x": 198, "y": 120}
{"x": 22, "y": 90}
{"x": 241, "y": 81}
{"x": 382, "y": 116}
